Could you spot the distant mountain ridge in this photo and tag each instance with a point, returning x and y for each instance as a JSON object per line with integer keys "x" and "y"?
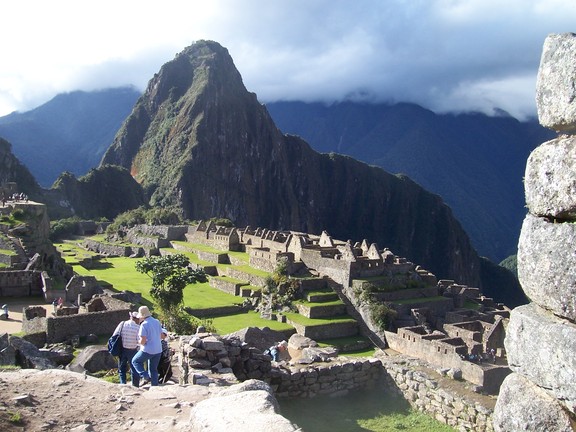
{"x": 70, "y": 133}
{"x": 475, "y": 162}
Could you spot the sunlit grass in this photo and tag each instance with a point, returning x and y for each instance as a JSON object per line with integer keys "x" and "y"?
{"x": 203, "y": 296}
{"x": 301, "y": 319}
{"x": 231, "y": 323}
{"x": 342, "y": 343}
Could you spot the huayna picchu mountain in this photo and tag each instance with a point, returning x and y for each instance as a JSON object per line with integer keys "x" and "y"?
{"x": 197, "y": 139}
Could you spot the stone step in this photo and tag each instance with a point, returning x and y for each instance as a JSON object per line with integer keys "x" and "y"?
{"x": 337, "y": 327}
{"x": 228, "y": 285}
{"x": 321, "y": 296}
{"x": 311, "y": 310}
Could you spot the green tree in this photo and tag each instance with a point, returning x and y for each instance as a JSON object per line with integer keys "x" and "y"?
{"x": 170, "y": 274}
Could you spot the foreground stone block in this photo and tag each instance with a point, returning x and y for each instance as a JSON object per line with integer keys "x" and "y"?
{"x": 550, "y": 179}
{"x": 555, "y": 90}
{"x": 547, "y": 264}
{"x": 522, "y": 406}
{"x": 541, "y": 347}
{"x": 252, "y": 408}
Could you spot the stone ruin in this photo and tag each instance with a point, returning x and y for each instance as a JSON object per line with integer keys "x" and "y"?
{"x": 540, "y": 394}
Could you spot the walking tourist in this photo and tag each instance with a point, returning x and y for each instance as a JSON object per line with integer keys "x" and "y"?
{"x": 150, "y": 339}
{"x": 129, "y": 331}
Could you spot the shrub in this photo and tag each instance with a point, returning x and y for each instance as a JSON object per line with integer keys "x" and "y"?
{"x": 181, "y": 322}
{"x": 382, "y": 315}
{"x": 64, "y": 228}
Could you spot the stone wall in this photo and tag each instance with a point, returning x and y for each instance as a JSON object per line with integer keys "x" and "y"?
{"x": 449, "y": 401}
{"x": 267, "y": 260}
{"x": 541, "y": 336}
{"x": 443, "y": 351}
{"x": 108, "y": 249}
{"x": 336, "y": 378}
{"x": 20, "y": 283}
{"x": 205, "y": 352}
{"x": 168, "y": 232}
{"x": 61, "y": 328}
{"x": 337, "y": 270}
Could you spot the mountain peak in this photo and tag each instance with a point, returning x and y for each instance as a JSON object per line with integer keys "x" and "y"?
{"x": 199, "y": 141}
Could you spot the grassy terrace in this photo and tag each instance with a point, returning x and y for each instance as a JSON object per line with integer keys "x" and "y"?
{"x": 203, "y": 248}
{"x": 328, "y": 303}
{"x": 311, "y": 322}
{"x": 72, "y": 253}
{"x": 232, "y": 323}
{"x": 342, "y": 342}
{"x": 191, "y": 256}
{"x": 241, "y": 256}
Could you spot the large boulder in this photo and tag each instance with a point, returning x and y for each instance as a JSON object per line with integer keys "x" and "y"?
{"x": 249, "y": 406}
{"x": 550, "y": 179}
{"x": 533, "y": 409}
{"x": 261, "y": 338}
{"x": 555, "y": 90}
{"x": 28, "y": 356}
{"x": 7, "y": 351}
{"x": 92, "y": 359}
{"x": 547, "y": 264}
{"x": 541, "y": 347}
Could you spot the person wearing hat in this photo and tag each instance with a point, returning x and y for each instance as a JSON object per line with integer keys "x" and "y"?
{"x": 129, "y": 331}
{"x": 150, "y": 339}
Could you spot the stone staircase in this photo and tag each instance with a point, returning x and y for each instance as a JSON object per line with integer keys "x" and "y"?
{"x": 16, "y": 258}
{"x": 322, "y": 315}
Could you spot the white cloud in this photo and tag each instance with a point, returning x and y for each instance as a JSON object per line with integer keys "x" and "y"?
{"x": 443, "y": 54}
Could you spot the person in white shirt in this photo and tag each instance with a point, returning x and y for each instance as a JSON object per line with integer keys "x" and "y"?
{"x": 150, "y": 337}
{"x": 129, "y": 332}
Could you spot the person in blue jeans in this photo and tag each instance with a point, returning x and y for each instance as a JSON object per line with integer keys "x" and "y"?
{"x": 150, "y": 338}
{"x": 129, "y": 331}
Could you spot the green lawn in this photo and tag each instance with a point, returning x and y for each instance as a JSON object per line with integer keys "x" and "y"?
{"x": 72, "y": 253}
{"x": 232, "y": 323}
{"x": 301, "y": 319}
{"x": 203, "y": 296}
{"x": 328, "y": 303}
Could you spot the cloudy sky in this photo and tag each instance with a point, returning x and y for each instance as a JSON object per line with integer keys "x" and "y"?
{"x": 447, "y": 55}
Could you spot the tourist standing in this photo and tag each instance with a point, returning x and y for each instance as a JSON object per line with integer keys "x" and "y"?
{"x": 150, "y": 339}
{"x": 129, "y": 331}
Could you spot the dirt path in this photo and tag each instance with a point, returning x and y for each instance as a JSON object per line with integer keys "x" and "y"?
{"x": 15, "y": 306}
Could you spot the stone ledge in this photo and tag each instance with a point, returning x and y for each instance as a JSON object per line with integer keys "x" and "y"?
{"x": 547, "y": 264}
{"x": 550, "y": 179}
{"x": 555, "y": 91}
{"x": 541, "y": 348}
{"x": 521, "y": 402}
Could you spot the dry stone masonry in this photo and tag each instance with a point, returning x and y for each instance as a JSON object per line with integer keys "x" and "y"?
{"x": 540, "y": 394}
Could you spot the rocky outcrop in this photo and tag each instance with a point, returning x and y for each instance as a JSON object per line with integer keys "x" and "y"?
{"x": 103, "y": 192}
{"x": 247, "y": 406}
{"x": 12, "y": 170}
{"x": 541, "y": 336}
{"x": 197, "y": 139}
